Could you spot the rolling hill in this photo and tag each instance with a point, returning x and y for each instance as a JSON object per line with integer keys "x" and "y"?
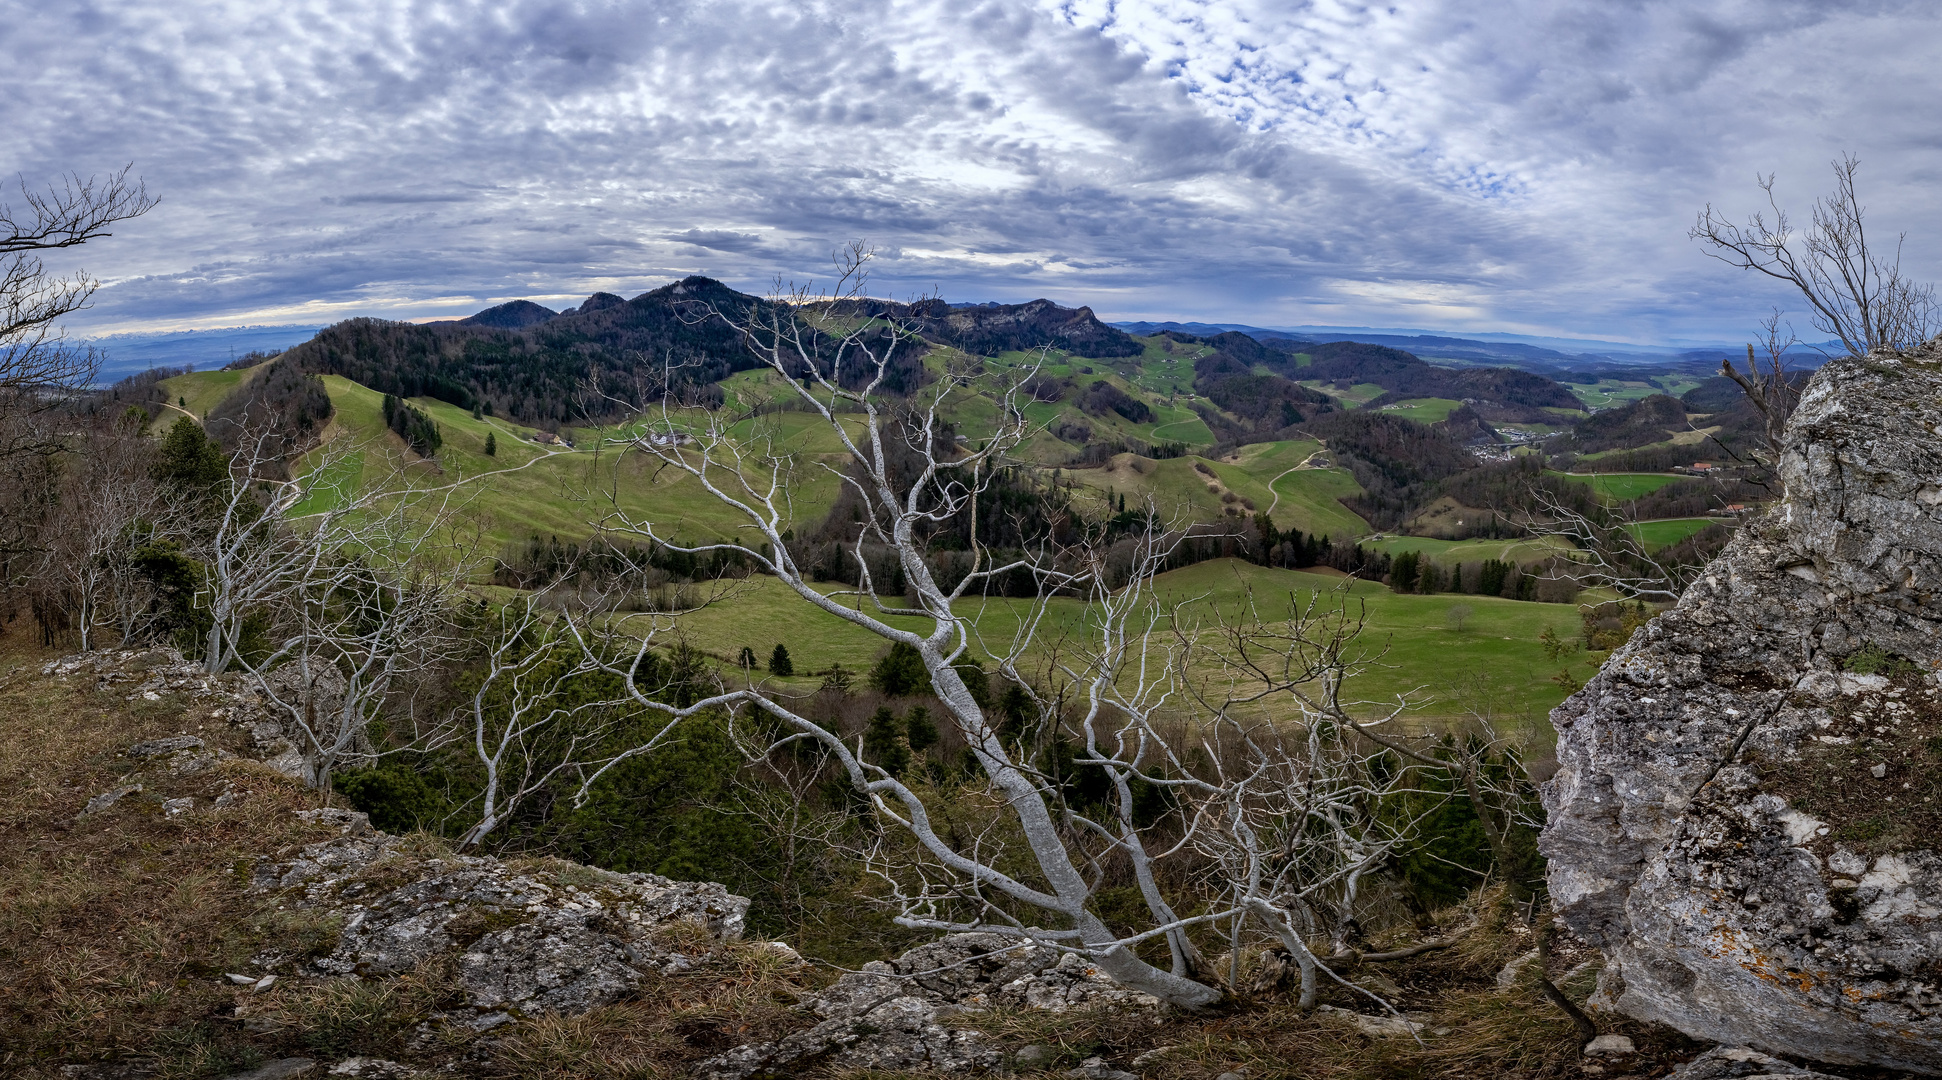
{"x": 1334, "y": 439}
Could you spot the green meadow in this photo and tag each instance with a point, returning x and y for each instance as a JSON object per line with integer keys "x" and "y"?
{"x": 530, "y": 488}
{"x": 1416, "y": 646}
{"x": 1424, "y": 410}
{"x": 1622, "y": 487}
{"x": 1449, "y": 552}
{"x": 1657, "y": 534}
{"x": 1263, "y": 474}
{"x": 204, "y": 389}
{"x": 1430, "y": 646}
{"x": 1353, "y": 397}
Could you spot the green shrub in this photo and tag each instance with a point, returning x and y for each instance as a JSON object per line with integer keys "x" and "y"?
{"x": 883, "y": 742}
{"x": 1875, "y": 660}
{"x": 920, "y": 729}
{"x": 398, "y": 798}
{"x": 901, "y": 672}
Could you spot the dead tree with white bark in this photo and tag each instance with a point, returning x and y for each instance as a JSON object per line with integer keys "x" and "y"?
{"x": 1301, "y": 810}
{"x": 1034, "y": 869}
{"x": 348, "y": 631}
{"x": 525, "y": 731}
{"x": 1856, "y": 290}
{"x": 108, "y": 509}
{"x": 349, "y": 581}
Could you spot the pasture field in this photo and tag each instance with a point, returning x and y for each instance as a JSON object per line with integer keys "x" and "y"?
{"x": 1424, "y": 410}
{"x": 1159, "y": 371}
{"x": 1450, "y": 552}
{"x": 1623, "y": 487}
{"x": 203, "y": 390}
{"x": 1422, "y": 651}
{"x": 1657, "y": 534}
{"x": 1354, "y": 397}
{"x": 1164, "y": 379}
{"x": 1606, "y": 393}
{"x": 529, "y": 488}
{"x": 1305, "y": 499}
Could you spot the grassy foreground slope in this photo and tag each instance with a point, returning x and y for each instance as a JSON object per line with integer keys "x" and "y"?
{"x": 117, "y": 928}
{"x": 1429, "y": 655}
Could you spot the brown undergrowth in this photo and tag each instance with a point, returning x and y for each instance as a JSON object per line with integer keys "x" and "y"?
{"x": 1470, "y": 1029}
{"x": 117, "y": 930}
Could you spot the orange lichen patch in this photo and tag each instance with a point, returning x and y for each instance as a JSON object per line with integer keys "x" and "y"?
{"x": 1727, "y": 942}
{"x": 1804, "y": 981}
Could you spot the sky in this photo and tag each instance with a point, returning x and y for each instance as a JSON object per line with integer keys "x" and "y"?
{"x": 1453, "y": 165}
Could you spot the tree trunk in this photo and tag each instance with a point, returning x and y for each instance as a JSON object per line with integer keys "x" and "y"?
{"x": 1041, "y": 834}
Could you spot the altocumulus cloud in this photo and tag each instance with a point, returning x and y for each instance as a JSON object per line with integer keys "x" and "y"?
{"x": 1520, "y": 165}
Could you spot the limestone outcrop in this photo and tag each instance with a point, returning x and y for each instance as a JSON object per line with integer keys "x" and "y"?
{"x": 1749, "y": 797}
{"x": 153, "y": 674}
{"x": 545, "y": 936}
{"x": 896, "y": 1015}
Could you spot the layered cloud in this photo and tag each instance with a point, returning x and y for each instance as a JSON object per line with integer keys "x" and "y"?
{"x": 1519, "y": 165}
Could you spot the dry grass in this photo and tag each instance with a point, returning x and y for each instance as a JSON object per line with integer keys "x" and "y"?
{"x": 116, "y": 930}
{"x": 744, "y": 994}
{"x": 1471, "y": 1029}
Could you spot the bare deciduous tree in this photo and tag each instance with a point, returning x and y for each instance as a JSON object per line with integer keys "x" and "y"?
{"x": 1034, "y": 868}
{"x": 1856, "y": 293}
{"x": 1301, "y": 810}
{"x": 833, "y": 351}
{"x": 522, "y": 734}
{"x": 109, "y": 506}
{"x": 38, "y": 367}
{"x": 353, "y": 625}
{"x": 35, "y": 359}
{"x": 1609, "y": 552}
{"x": 1768, "y": 385}
{"x": 350, "y": 580}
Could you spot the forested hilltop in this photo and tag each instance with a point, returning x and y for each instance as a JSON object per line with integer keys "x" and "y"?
{"x": 1254, "y": 439}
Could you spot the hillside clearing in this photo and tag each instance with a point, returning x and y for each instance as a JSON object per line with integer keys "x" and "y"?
{"x": 1425, "y": 652}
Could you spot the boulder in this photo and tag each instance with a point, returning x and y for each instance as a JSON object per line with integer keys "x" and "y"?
{"x": 1745, "y": 814}
{"x": 1740, "y": 1063}
{"x": 896, "y": 1015}
{"x": 549, "y": 937}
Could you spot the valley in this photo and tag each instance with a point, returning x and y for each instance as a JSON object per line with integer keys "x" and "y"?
{"x": 1224, "y": 435}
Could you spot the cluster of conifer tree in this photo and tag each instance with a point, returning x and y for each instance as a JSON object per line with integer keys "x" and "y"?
{"x": 418, "y": 430}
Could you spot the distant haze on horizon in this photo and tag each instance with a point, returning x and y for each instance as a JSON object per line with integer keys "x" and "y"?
{"x": 1531, "y": 170}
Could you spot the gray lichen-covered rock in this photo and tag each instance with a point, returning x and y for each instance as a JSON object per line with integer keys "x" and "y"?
{"x": 896, "y": 1015}
{"x": 546, "y": 938}
{"x": 1740, "y": 1063}
{"x": 161, "y": 674}
{"x": 1793, "y": 902}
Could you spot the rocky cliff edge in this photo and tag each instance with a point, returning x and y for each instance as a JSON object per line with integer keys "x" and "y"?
{"x": 1746, "y": 813}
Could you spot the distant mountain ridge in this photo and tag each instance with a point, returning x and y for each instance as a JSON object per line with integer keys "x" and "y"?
{"x": 544, "y": 367}
{"x": 127, "y": 354}
{"x": 516, "y": 315}
{"x": 1611, "y": 358}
